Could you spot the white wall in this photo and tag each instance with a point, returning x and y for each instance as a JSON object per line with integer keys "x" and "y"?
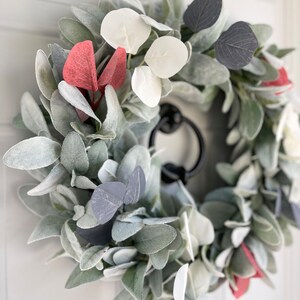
{"x": 27, "y": 25}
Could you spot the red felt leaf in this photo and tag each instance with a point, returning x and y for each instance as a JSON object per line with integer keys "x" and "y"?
{"x": 242, "y": 285}
{"x": 259, "y": 273}
{"x": 80, "y": 67}
{"x": 114, "y": 73}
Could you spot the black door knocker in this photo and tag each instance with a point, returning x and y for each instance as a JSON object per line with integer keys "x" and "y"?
{"x": 171, "y": 120}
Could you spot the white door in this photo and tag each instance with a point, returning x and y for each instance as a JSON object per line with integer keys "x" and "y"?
{"x": 25, "y": 26}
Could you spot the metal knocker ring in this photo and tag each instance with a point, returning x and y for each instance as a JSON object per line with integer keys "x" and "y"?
{"x": 171, "y": 119}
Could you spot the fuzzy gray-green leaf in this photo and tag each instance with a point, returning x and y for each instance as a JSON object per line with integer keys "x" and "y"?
{"x": 251, "y": 119}
{"x": 49, "y": 226}
{"x": 203, "y": 70}
{"x": 133, "y": 280}
{"x": 73, "y": 154}
{"x": 153, "y": 238}
{"x": 34, "y": 153}
{"x": 79, "y": 277}
{"x": 44, "y": 76}
{"x": 32, "y": 115}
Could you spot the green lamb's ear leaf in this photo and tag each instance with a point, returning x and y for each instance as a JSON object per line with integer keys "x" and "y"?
{"x": 256, "y": 67}
{"x": 49, "y": 226}
{"x": 262, "y": 32}
{"x": 267, "y": 148}
{"x": 160, "y": 259}
{"x": 44, "y": 76}
{"x": 115, "y": 120}
{"x": 97, "y": 155}
{"x": 32, "y": 115}
{"x": 236, "y": 46}
{"x": 133, "y": 280}
{"x": 240, "y": 264}
{"x": 203, "y": 70}
{"x": 73, "y": 154}
{"x": 74, "y": 31}
{"x": 136, "y": 156}
{"x": 204, "y": 39}
{"x": 40, "y": 206}
{"x": 82, "y": 182}
{"x": 227, "y": 173}
{"x": 198, "y": 280}
{"x": 73, "y": 95}
{"x": 79, "y": 277}
{"x": 70, "y": 242}
{"x": 59, "y": 57}
{"x": 156, "y": 283}
{"x": 34, "y": 153}
{"x": 251, "y": 120}
{"x": 153, "y": 238}
{"x": 91, "y": 257}
{"x": 62, "y": 114}
{"x": 121, "y": 231}
{"x": 57, "y": 175}
{"x": 87, "y": 19}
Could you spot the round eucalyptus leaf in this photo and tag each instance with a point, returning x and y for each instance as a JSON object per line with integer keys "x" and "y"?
{"x": 202, "y": 14}
{"x": 236, "y": 46}
{"x": 166, "y": 56}
{"x": 147, "y": 86}
{"x": 125, "y": 28}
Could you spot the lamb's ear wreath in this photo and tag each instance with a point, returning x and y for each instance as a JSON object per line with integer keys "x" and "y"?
{"x": 99, "y": 189}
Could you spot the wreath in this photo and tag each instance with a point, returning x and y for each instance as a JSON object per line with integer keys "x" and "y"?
{"x": 100, "y": 189}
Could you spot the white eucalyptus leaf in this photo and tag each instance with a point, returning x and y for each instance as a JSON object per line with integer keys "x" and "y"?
{"x": 73, "y": 154}
{"x": 33, "y": 153}
{"x": 147, "y": 86}
{"x": 180, "y": 283}
{"x": 153, "y": 23}
{"x": 49, "y": 226}
{"x": 73, "y": 95}
{"x": 91, "y": 257}
{"x": 125, "y": 28}
{"x": 157, "y": 221}
{"x": 56, "y": 176}
{"x": 70, "y": 242}
{"x": 32, "y": 115}
{"x": 166, "y": 56}
{"x": 44, "y": 76}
